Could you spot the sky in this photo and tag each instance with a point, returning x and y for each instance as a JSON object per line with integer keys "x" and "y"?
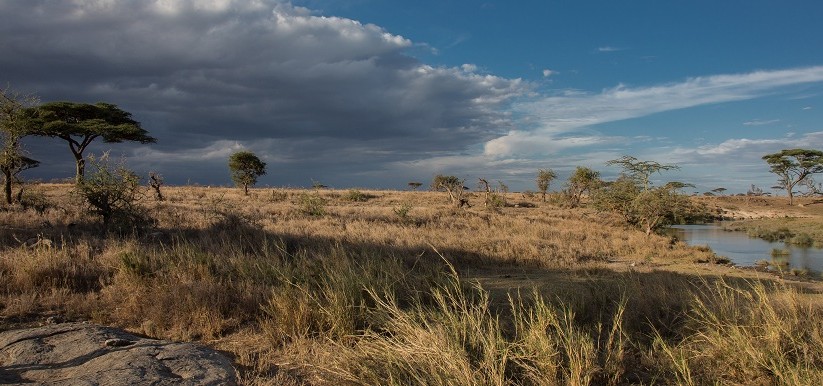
{"x": 379, "y": 93}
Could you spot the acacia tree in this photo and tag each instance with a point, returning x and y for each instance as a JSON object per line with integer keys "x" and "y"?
{"x": 453, "y": 186}
{"x": 650, "y": 209}
{"x": 660, "y": 207}
{"x": 641, "y": 170}
{"x": 793, "y": 166}
{"x": 583, "y": 180}
{"x": 245, "y": 169}
{"x": 14, "y": 125}
{"x": 80, "y": 124}
{"x": 544, "y": 178}
{"x": 619, "y": 197}
{"x": 719, "y": 190}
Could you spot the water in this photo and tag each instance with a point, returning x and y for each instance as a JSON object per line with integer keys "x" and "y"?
{"x": 746, "y": 251}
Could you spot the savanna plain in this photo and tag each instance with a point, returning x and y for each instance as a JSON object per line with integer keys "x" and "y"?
{"x": 329, "y": 287}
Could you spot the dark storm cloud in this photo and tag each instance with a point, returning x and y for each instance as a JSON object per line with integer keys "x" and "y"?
{"x": 209, "y": 77}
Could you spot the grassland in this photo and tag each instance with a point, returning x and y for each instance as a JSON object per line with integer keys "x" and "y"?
{"x": 384, "y": 287}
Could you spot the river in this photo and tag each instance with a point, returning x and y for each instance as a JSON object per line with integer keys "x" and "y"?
{"x": 746, "y": 251}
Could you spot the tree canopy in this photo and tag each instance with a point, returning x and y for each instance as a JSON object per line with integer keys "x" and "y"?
{"x": 245, "y": 168}
{"x": 14, "y": 125}
{"x": 793, "y": 166}
{"x": 80, "y": 124}
{"x": 583, "y": 180}
{"x": 453, "y": 186}
{"x": 641, "y": 170}
{"x": 544, "y": 178}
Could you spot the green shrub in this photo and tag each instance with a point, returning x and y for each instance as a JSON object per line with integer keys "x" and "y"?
{"x": 495, "y": 201}
{"x": 113, "y": 192}
{"x": 802, "y": 240}
{"x": 313, "y": 204}
{"x": 34, "y": 199}
{"x": 402, "y": 211}
{"x": 780, "y": 252}
{"x": 355, "y": 195}
{"x": 278, "y": 195}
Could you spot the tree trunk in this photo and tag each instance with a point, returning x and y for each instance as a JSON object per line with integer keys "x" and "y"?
{"x": 80, "y": 168}
{"x": 7, "y": 185}
{"x": 246, "y": 189}
{"x": 544, "y": 196}
{"x": 791, "y": 197}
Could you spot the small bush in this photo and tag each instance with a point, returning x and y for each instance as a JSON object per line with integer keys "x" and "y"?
{"x": 278, "y": 195}
{"x": 780, "y": 252}
{"x": 355, "y": 195}
{"x": 802, "y": 240}
{"x": 36, "y": 200}
{"x": 403, "y": 210}
{"x": 312, "y": 204}
{"x": 799, "y": 272}
{"x": 134, "y": 263}
{"x": 113, "y": 192}
{"x": 495, "y": 200}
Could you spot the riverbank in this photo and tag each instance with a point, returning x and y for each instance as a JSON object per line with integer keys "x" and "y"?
{"x": 772, "y": 218}
{"x": 733, "y": 208}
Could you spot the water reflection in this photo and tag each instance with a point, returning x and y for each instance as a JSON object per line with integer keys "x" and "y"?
{"x": 746, "y": 251}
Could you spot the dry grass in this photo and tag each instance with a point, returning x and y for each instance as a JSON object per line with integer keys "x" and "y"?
{"x": 363, "y": 293}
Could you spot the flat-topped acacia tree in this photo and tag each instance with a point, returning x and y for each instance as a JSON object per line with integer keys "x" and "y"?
{"x": 80, "y": 124}
{"x": 794, "y": 166}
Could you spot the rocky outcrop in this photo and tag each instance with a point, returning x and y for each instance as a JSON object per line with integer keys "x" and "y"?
{"x": 88, "y": 354}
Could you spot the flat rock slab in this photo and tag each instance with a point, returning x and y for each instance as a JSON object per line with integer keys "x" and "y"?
{"x": 88, "y": 354}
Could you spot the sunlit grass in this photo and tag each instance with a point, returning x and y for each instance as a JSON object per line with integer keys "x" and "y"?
{"x": 359, "y": 294}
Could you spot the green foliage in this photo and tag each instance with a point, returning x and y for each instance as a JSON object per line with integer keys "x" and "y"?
{"x": 245, "y": 168}
{"x": 640, "y": 170}
{"x": 134, "y": 263}
{"x": 442, "y": 183}
{"x": 34, "y": 199}
{"x": 453, "y": 185}
{"x": 544, "y": 178}
{"x": 582, "y": 181}
{"x": 780, "y": 252}
{"x": 802, "y": 240}
{"x": 403, "y": 210}
{"x": 779, "y": 234}
{"x": 355, "y": 195}
{"x": 656, "y": 208}
{"x": 649, "y": 209}
{"x": 618, "y": 197}
{"x": 80, "y": 124}
{"x": 719, "y": 190}
{"x": 113, "y": 192}
{"x": 312, "y": 204}
{"x": 278, "y": 195}
{"x": 316, "y": 185}
{"x": 14, "y": 125}
{"x": 414, "y": 185}
{"x": 496, "y": 200}
{"x": 793, "y": 166}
